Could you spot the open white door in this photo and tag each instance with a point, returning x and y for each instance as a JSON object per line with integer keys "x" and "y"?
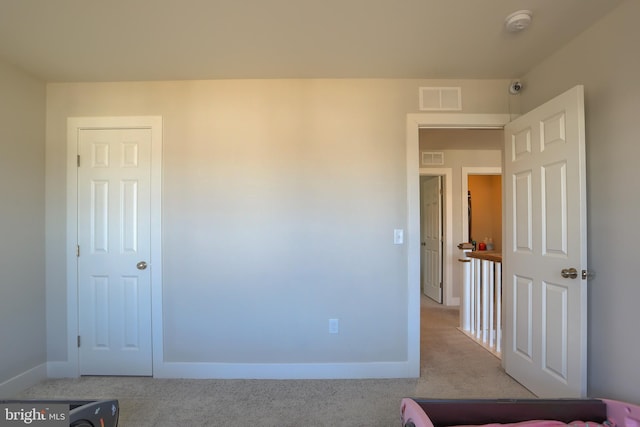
{"x": 545, "y": 245}
{"x": 431, "y": 190}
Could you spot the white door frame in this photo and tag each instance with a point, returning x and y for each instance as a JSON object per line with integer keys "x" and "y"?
{"x": 447, "y": 253}
{"x": 74, "y": 124}
{"x": 414, "y": 123}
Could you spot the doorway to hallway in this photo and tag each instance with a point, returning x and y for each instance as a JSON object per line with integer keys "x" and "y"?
{"x": 462, "y": 153}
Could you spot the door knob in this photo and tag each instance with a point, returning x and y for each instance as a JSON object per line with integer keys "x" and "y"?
{"x": 569, "y": 273}
{"x": 141, "y": 265}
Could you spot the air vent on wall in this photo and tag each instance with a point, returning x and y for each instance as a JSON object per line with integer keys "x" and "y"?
{"x": 440, "y": 98}
{"x": 432, "y": 158}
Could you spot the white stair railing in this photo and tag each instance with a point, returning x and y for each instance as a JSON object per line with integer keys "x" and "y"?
{"x": 481, "y": 315}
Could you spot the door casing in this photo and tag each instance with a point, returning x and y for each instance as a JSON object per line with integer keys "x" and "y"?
{"x": 71, "y": 368}
{"x": 414, "y": 123}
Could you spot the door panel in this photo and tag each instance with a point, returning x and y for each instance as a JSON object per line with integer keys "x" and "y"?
{"x": 546, "y": 323}
{"x": 523, "y": 316}
{"x": 554, "y": 209}
{"x": 522, "y": 214}
{"x": 555, "y": 330}
{"x": 114, "y": 235}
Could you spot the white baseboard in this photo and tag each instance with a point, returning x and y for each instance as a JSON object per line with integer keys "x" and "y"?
{"x": 285, "y": 370}
{"x": 453, "y": 302}
{"x": 282, "y": 371}
{"x": 21, "y": 382}
{"x": 62, "y": 370}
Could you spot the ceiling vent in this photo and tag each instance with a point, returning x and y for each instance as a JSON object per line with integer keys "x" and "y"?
{"x": 440, "y": 98}
{"x": 432, "y": 158}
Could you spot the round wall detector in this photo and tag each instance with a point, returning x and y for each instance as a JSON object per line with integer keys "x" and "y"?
{"x": 518, "y": 21}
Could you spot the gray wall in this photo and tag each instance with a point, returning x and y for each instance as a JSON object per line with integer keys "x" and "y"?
{"x": 605, "y": 60}
{"x": 279, "y": 202}
{"x": 22, "y": 256}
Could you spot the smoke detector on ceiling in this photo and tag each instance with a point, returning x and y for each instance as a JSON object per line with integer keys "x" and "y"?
{"x": 518, "y": 21}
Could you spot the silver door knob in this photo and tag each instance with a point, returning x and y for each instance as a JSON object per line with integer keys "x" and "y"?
{"x": 141, "y": 265}
{"x": 569, "y": 273}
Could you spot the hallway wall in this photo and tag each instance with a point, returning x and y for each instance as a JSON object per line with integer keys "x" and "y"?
{"x": 486, "y": 212}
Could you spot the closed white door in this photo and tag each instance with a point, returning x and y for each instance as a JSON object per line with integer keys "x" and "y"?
{"x": 432, "y": 237}
{"x": 545, "y": 248}
{"x": 114, "y": 287}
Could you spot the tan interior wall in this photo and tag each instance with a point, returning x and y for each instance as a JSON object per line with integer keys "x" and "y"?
{"x": 486, "y": 196}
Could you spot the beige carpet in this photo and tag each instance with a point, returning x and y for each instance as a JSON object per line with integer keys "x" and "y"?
{"x": 452, "y": 366}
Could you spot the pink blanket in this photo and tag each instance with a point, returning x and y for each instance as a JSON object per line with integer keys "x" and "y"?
{"x": 412, "y": 412}
{"x": 545, "y": 423}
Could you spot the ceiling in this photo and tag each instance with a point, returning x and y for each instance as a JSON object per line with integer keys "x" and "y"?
{"x": 118, "y": 40}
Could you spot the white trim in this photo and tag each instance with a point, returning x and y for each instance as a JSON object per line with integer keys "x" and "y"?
{"x": 23, "y": 381}
{"x": 283, "y": 371}
{"x": 466, "y": 171}
{"x": 74, "y": 124}
{"x": 414, "y": 123}
{"x": 72, "y": 368}
{"x": 447, "y": 275}
{"x": 60, "y": 370}
{"x": 459, "y": 120}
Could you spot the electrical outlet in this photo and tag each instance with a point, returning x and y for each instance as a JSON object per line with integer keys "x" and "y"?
{"x": 334, "y": 326}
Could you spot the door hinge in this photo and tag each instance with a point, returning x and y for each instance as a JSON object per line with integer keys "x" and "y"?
{"x": 78, "y": 341}
{"x": 77, "y": 250}
{"x": 78, "y": 160}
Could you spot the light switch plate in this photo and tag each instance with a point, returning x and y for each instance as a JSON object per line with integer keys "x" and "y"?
{"x": 398, "y": 236}
{"x": 334, "y": 326}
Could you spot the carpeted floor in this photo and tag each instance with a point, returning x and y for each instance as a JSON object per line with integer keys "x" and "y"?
{"x": 452, "y": 366}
